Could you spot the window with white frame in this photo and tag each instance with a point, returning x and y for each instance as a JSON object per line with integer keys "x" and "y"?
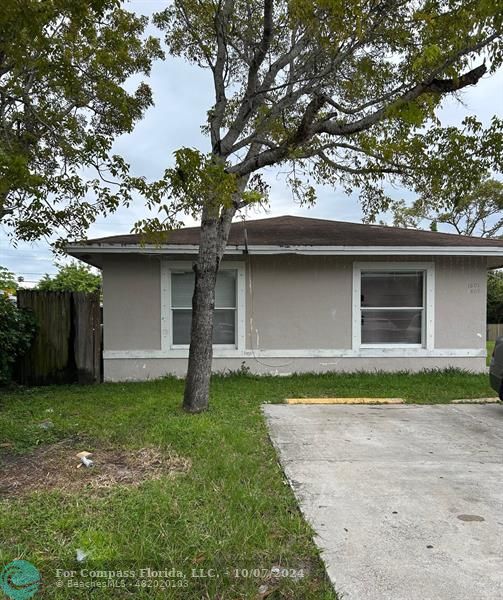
{"x": 225, "y": 315}
{"x": 393, "y": 305}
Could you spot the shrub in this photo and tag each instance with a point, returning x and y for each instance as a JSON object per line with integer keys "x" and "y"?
{"x": 495, "y": 297}
{"x": 74, "y": 277}
{"x": 17, "y": 327}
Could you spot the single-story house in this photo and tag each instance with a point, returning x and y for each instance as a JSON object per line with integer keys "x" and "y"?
{"x": 298, "y": 294}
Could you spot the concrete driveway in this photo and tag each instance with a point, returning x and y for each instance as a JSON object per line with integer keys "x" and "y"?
{"x": 406, "y": 500}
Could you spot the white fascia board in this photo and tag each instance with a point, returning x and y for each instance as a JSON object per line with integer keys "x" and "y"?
{"x": 379, "y": 250}
{"x": 304, "y": 250}
{"x": 135, "y": 249}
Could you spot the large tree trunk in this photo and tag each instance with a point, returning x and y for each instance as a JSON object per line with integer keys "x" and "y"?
{"x": 214, "y": 234}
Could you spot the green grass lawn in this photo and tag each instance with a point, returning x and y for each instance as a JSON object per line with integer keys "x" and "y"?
{"x": 231, "y": 510}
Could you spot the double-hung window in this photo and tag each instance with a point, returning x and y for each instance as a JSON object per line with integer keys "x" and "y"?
{"x": 225, "y": 315}
{"x": 393, "y": 305}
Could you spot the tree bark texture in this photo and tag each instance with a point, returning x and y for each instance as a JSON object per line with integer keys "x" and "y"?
{"x": 214, "y": 235}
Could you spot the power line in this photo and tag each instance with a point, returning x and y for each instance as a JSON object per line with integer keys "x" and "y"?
{"x": 29, "y": 273}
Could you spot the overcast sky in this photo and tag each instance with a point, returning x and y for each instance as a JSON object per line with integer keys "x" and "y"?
{"x": 182, "y": 96}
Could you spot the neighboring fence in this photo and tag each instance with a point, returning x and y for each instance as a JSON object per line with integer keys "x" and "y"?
{"x": 494, "y": 330}
{"x": 67, "y": 345}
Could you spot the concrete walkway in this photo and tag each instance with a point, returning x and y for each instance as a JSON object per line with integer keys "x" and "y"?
{"x": 406, "y": 500}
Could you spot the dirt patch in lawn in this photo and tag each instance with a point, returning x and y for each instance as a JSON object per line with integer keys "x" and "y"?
{"x": 56, "y": 467}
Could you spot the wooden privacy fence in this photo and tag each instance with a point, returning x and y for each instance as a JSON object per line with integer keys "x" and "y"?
{"x": 494, "y": 330}
{"x": 67, "y": 345}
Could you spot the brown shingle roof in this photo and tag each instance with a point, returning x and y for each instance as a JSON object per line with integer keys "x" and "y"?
{"x": 302, "y": 231}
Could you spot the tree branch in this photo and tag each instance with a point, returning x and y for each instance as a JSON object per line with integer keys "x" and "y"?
{"x": 280, "y": 152}
{"x": 249, "y": 99}
{"x": 218, "y": 75}
{"x": 433, "y": 86}
{"x": 362, "y": 170}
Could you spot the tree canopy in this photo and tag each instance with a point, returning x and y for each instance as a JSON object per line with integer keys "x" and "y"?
{"x": 495, "y": 297}
{"x": 478, "y": 212}
{"x": 63, "y": 100}
{"x": 9, "y": 283}
{"x": 73, "y": 277}
{"x": 341, "y": 92}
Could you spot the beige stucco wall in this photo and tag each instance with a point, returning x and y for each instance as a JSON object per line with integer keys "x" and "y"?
{"x": 298, "y": 302}
{"x": 460, "y": 302}
{"x": 292, "y": 302}
{"x": 131, "y": 303}
{"x": 306, "y": 301}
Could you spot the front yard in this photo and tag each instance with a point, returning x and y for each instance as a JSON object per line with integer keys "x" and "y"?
{"x": 224, "y": 512}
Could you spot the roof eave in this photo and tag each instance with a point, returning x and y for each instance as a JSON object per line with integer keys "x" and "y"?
{"x": 82, "y": 249}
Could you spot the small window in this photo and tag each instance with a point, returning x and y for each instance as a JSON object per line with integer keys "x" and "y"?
{"x": 392, "y": 307}
{"x": 224, "y": 318}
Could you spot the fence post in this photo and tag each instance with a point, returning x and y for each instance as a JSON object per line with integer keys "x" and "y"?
{"x": 87, "y": 338}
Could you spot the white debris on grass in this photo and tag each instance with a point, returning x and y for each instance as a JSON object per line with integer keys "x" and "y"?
{"x": 81, "y": 555}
